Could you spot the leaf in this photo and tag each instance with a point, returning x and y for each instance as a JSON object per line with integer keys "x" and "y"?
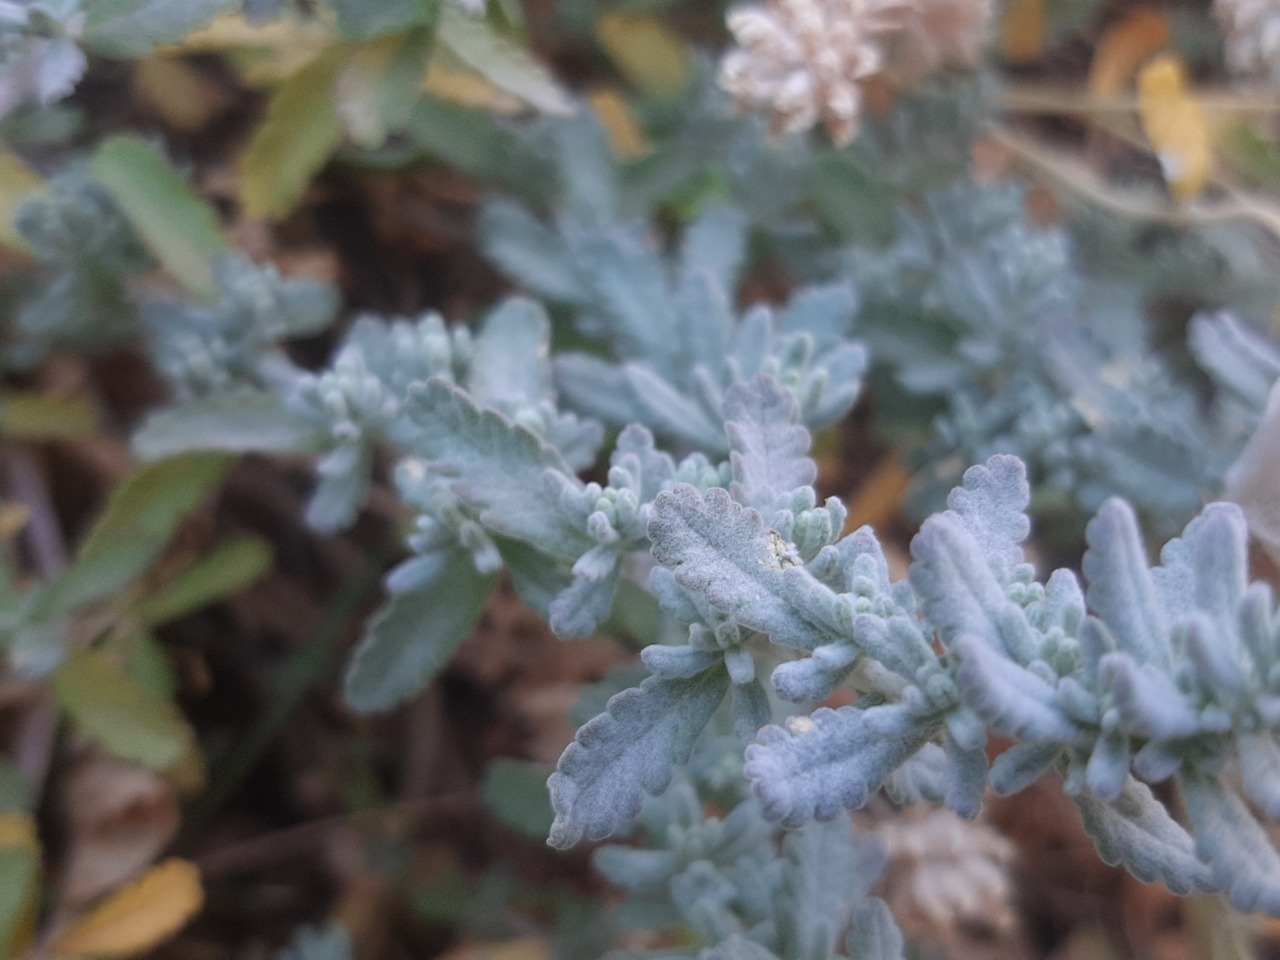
{"x": 19, "y": 882}
{"x": 1177, "y": 125}
{"x": 515, "y": 791}
{"x": 628, "y": 751}
{"x": 179, "y": 228}
{"x": 615, "y": 115}
{"x": 138, "y": 522}
{"x": 830, "y": 869}
{"x": 722, "y": 549}
{"x": 330, "y": 942}
{"x": 302, "y": 128}
{"x": 228, "y": 569}
{"x": 1126, "y": 46}
{"x": 378, "y": 87}
{"x": 852, "y": 204}
{"x": 648, "y": 53}
{"x": 128, "y": 720}
{"x": 1228, "y": 838}
{"x": 1121, "y": 590}
{"x": 37, "y": 416}
{"x": 768, "y": 449}
{"x": 361, "y": 20}
{"x": 414, "y": 636}
{"x": 130, "y": 29}
{"x": 233, "y": 423}
{"x": 875, "y": 934}
{"x": 992, "y": 503}
{"x": 517, "y": 331}
{"x": 139, "y": 917}
{"x": 959, "y": 591}
{"x": 514, "y": 479}
{"x": 501, "y": 61}
{"x": 830, "y": 760}
{"x": 1250, "y": 153}
{"x": 1008, "y": 697}
{"x": 1022, "y": 31}
{"x": 17, "y": 183}
{"x": 1137, "y": 831}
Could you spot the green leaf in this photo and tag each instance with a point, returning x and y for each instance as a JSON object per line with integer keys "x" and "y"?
{"x": 19, "y": 876}
{"x": 301, "y": 130}
{"x": 515, "y": 792}
{"x": 230, "y": 568}
{"x": 36, "y": 416}
{"x": 1254, "y": 156}
{"x": 379, "y": 87}
{"x": 415, "y": 635}
{"x": 363, "y": 20}
{"x": 237, "y": 423}
{"x": 179, "y": 228}
{"x": 133, "y": 28}
{"x": 502, "y": 62}
{"x": 129, "y": 721}
{"x": 15, "y": 793}
{"x": 140, "y": 518}
{"x": 850, "y": 203}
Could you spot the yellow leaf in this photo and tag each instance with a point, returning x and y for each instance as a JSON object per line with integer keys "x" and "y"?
{"x": 13, "y": 517}
{"x": 1177, "y": 126}
{"x": 646, "y": 51}
{"x": 1022, "y": 29}
{"x": 18, "y": 831}
{"x": 1127, "y": 45}
{"x": 137, "y": 918}
{"x": 183, "y": 97}
{"x": 265, "y": 52}
{"x": 625, "y": 134}
{"x": 17, "y": 183}
{"x": 301, "y": 130}
{"x": 451, "y": 80}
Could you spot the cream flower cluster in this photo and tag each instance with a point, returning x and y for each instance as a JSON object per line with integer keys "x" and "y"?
{"x": 803, "y": 61}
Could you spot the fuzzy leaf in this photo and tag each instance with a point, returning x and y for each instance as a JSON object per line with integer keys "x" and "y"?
{"x": 1121, "y": 591}
{"x": 1136, "y": 830}
{"x": 514, "y": 334}
{"x": 133, "y": 28}
{"x": 178, "y": 227}
{"x": 1011, "y": 699}
{"x": 830, "y": 760}
{"x": 503, "y": 470}
{"x": 830, "y": 870}
{"x": 1236, "y": 848}
{"x": 628, "y": 752}
{"x": 234, "y": 423}
{"x": 721, "y": 549}
{"x": 875, "y": 934}
{"x": 358, "y": 20}
{"x": 992, "y": 504}
{"x": 959, "y": 591}
{"x": 502, "y": 62}
{"x": 767, "y": 446}
{"x": 414, "y": 636}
